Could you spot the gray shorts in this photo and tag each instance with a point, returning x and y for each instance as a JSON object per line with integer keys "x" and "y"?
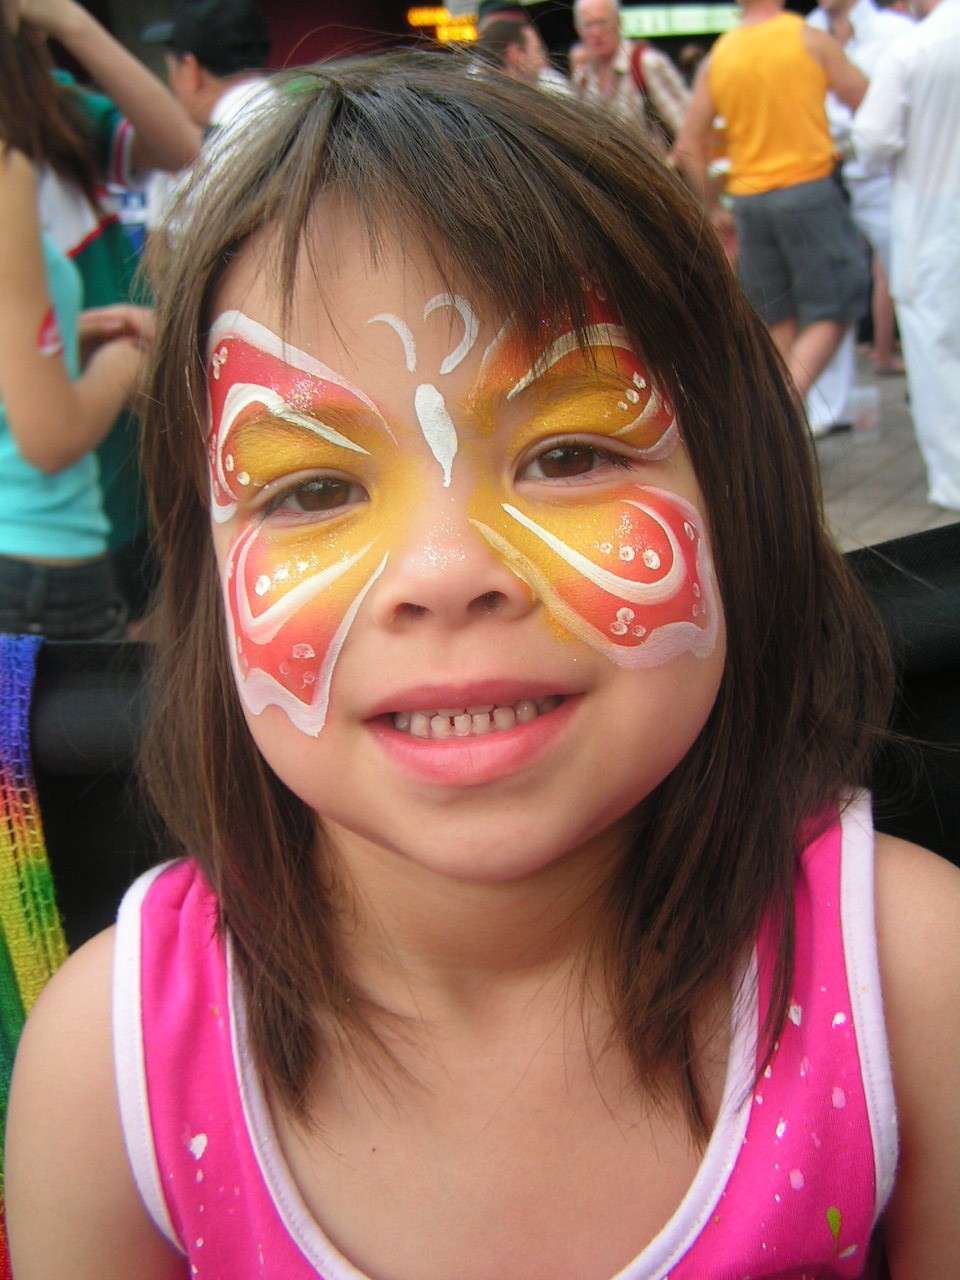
{"x": 800, "y": 256}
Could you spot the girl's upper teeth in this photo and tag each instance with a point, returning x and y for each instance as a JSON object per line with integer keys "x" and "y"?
{"x": 463, "y": 722}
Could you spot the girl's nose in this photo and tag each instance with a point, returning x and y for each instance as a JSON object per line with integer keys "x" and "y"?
{"x": 444, "y": 571}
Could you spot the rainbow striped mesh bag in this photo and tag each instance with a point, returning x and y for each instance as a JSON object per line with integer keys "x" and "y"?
{"x": 32, "y": 944}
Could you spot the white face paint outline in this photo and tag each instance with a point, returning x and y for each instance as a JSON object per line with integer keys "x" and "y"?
{"x": 433, "y": 417}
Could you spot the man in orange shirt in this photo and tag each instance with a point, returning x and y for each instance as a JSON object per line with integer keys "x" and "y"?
{"x": 801, "y": 261}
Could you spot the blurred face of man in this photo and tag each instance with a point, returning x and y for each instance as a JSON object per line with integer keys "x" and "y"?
{"x": 527, "y": 59}
{"x": 598, "y": 26}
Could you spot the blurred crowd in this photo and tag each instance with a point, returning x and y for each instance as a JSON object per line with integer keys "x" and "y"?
{"x": 825, "y": 152}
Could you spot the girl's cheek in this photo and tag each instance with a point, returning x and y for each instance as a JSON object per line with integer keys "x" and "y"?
{"x": 631, "y": 575}
{"x": 290, "y": 600}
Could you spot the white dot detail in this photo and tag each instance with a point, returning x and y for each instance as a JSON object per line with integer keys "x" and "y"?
{"x": 243, "y": 478}
{"x": 688, "y": 529}
{"x": 627, "y": 554}
{"x": 606, "y": 548}
{"x": 303, "y": 651}
{"x": 651, "y": 559}
{"x": 262, "y": 585}
{"x": 228, "y": 462}
{"x": 622, "y": 404}
{"x": 632, "y": 396}
{"x": 197, "y": 1145}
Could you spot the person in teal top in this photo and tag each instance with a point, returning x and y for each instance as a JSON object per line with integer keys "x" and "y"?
{"x": 58, "y": 515}
{"x": 65, "y": 375}
{"x": 130, "y": 127}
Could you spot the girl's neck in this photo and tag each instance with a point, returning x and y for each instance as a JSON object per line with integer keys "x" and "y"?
{"x": 426, "y": 945}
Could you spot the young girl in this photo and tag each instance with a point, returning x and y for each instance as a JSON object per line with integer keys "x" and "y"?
{"x": 511, "y": 705}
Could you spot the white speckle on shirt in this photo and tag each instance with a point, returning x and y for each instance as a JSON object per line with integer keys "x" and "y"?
{"x": 197, "y": 1145}
{"x": 781, "y": 1127}
{"x": 795, "y": 1014}
{"x": 797, "y": 1180}
{"x": 838, "y": 1097}
{"x": 839, "y": 1020}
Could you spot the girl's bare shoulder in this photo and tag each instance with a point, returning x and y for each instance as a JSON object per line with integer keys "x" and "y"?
{"x": 72, "y": 1207}
{"x": 918, "y": 934}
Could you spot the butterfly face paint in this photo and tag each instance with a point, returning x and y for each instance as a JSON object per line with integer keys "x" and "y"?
{"x": 624, "y": 568}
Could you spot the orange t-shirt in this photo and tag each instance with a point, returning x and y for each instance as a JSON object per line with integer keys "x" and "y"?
{"x": 771, "y": 93}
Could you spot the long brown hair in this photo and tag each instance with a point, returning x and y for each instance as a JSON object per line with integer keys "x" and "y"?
{"x": 524, "y": 197}
{"x": 40, "y": 117}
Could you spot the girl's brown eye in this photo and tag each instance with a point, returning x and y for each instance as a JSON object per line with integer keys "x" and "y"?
{"x": 324, "y": 493}
{"x": 566, "y": 460}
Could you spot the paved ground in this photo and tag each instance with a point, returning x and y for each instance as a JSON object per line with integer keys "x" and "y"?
{"x": 874, "y": 483}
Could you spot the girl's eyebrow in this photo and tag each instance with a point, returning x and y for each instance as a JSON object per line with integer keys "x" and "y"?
{"x": 550, "y": 389}
{"x": 594, "y": 337}
{"x": 307, "y": 420}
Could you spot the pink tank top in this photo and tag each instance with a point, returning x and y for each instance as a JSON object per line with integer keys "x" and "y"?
{"x": 792, "y": 1184}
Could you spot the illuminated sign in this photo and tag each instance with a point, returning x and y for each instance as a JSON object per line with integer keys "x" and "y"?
{"x": 643, "y": 22}
{"x": 448, "y": 28}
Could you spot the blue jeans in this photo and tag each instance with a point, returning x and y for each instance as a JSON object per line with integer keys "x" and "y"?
{"x": 61, "y": 602}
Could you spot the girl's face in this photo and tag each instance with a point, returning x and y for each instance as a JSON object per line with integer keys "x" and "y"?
{"x": 470, "y": 601}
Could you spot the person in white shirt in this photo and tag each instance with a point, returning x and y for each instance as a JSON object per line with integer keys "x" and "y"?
{"x": 865, "y": 31}
{"x": 213, "y": 50}
{"x": 910, "y": 119}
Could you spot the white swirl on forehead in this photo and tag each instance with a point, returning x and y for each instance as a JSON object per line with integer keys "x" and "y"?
{"x": 595, "y": 335}
{"x": 471, "y": 327}
{"x": 613, "y": 583}
{"x": 234, "y": 324}
{"x": 403, "y": 332}
{"x": 260, "y": 690}
{"x": 262, "y": 628}
{"x": 240, "y": 397}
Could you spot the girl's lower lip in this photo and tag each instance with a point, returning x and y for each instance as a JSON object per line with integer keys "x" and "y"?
{"x": 476, "y": 760}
